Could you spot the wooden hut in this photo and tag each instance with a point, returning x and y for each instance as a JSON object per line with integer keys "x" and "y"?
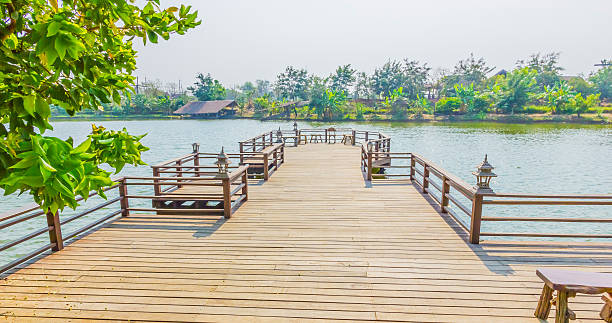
{"x": 208, "y": 109}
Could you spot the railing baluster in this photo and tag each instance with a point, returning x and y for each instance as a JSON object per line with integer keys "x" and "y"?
{"x": 476, "y": 219}
{"x": 445, "y": 191}
{"x": 125, "y": 205}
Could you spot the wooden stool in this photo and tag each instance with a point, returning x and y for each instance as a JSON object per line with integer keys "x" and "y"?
{"x": 331, "y": 133}
{"x": 606, "y": 311}
{"x": 567, "y": 284}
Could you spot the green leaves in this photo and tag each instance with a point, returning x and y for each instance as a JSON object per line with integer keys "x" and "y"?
{"x": 77, "y": 56}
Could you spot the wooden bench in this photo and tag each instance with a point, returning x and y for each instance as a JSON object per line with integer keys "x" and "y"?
{"x": 567, "y": 284}
{"x": 347, "y": 139}
{"x": 316, "y": 138}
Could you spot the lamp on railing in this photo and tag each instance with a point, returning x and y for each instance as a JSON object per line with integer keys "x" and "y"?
{"x": 484, "y": 174}
{"x": 223, "y": 164}
{"x": 196, "y": 147}
{"x": 279, "y": 136}
{"x": 370, "y": 146}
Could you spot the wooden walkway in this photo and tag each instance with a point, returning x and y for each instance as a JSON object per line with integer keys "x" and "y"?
{"x": 314, "y": 242}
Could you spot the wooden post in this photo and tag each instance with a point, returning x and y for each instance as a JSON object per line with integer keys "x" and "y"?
{"x": 245, "y": 188}
{"x": 254, "y": 144}
{"x": 326, "y": 136}
{"x": 227, "y": 199}
{"x": 156, "y": 187}
{"x": 275, "y": 156}
{"x": 180, "y": 171}
{"x": 425, "y": 178}
{"x": 55, "y": 231}
{"x": 476, "y": 218}
{"x": 444, "y": 199}
{"x": 196, "y": 163}
{"x": 265, "y": 166}
{"x": 241, "y": 152}
{"x": 366, "y": 135}
{"x": 412, "y": 165}
{"x": 354, "y": 137}
{"x": 124, "y": 200}
{"x": 369, "y": 165}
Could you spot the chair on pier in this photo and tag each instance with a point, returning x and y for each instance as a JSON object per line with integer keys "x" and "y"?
{"x": 567, "y": 284}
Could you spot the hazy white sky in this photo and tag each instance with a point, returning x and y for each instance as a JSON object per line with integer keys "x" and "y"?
{"x": 242, "y": 40}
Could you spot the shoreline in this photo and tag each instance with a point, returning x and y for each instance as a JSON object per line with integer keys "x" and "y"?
{"x": 491, "y": 118}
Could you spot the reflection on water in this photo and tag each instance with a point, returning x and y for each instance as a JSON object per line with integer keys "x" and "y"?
{"x": 529, "y": 158}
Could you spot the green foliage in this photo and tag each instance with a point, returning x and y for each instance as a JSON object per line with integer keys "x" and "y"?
{"x": 343, "y": 78}
{"x": 388, "y": 78}
{"x": 292, "y": 84}
{"x": 546, "y": 66}
{"x": 579, "y": 104}
{"x": 558, "y": 97}
{"x": 76, "y": 56}
{"x": 206, "y": 88}
{"x": 54, "y": 172}
{"x": 471, "y": 70}
{"x": 513, "y": 91}
{"x": 602, "y": 80}
{"x": 580, "y": 85}
{"x": 419, "y": 106}
{"x": 448, "y": 105}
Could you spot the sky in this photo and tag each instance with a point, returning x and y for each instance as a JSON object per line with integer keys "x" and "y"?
{"x": 245, "y": 40}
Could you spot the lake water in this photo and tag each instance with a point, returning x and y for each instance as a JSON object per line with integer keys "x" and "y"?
{"x": 539, "y": 158}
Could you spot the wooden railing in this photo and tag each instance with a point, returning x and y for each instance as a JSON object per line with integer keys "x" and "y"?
{"x": 259, "y": 142}
{"x": 229, "y": 192}
{"x": 444, "y": 193}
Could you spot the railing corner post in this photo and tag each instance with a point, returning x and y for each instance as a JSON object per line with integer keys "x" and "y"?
{"x": 412, "y": 165}
{"x": 266, "y": 170}
{"x": 55, "y": 231}
{"x": 227, "y": 199}
{"x": 425, "y": 177}
{"x": 476, "y": 218}
{"x": 445, "y": 192}
{"x": 245, "y": 188}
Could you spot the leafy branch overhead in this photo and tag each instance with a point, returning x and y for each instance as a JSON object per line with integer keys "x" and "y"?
{"x": 76, "y": 55}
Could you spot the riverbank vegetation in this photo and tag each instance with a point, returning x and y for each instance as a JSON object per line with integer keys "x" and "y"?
{"x": 534, "y": 90}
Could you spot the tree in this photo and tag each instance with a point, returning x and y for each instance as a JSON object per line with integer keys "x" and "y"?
{"x": 415, "y": 78}
{"x": 420, "y": 105}
{"x": 77, "y": 56}
{"x": 317, "y": 93}
{"x": 580, "y": 104}
{"x": 512, "y": 91}
{"x": 387, "y": 78}
{"x": 602, "y": 80}
{"x": 546, "y": 66}
{"x": 558, "y": 96}
{"x": 206, "y": 88}
{"x": 473, "y": 101}
{"x": 363, "y": 86}
{"x": 292, "y": 84}
{"x": 343, "y": 78}
{"x": 263, "y": 87}
{"x": 471, "y": 70}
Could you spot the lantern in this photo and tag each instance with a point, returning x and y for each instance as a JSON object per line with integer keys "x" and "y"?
{"x": 223, "y": 164}
{"x": 370, "y": 146}
{"x": 484, "y": 174}
{"x": 279, "y": 136}
{"x": 196, "y": 147}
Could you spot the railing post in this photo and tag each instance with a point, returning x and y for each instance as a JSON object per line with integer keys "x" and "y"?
{"x": 275, "y": 155}
{"x": 412, "y": 165}
{"x": 254, "y": 145}
{"x": 156, "y": 187}
{"x": 55, "y": 231}
{"x": 354, "y": 138}
{"x": 425, "y": 178}
{"x": 245, "y": 188}
{"x": 366, "y": 136}
{"x": 125, "y": 205}
{"x": 265, "y": 166}
{"x": 476, "y": 219}
{"x": 326, "y": 137}
{"x": 180, "y": 171}
{"x": 196, "y": 163}
{"x": 369, "y": 165}
{"x": 445, "y": 191}
{"x": 227, "y": 199}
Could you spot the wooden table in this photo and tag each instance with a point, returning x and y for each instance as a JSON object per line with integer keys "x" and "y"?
{"x": 303, "y": 139}
{"x": 567, "y": 284}
{"x": 347, "y": 139}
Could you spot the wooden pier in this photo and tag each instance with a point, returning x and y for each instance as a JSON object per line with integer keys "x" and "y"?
{"x": 315, "y": 242}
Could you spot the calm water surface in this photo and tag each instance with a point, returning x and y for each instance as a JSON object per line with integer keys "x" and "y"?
{"x": 543, "y": 158}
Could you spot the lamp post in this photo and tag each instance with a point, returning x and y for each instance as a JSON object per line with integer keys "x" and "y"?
{"x": 196, "y": 147}
{"x": 279, "y": 136}
{"x": 484, "y": 174}
{"x": 295, "y": 126}
{"x": 223, "y": 164}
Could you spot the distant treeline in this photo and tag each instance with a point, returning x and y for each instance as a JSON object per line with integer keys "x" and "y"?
{"x": 399, "y": 89}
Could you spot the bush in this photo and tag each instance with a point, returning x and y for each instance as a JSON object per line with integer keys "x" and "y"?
{"x": 448, "y": 105}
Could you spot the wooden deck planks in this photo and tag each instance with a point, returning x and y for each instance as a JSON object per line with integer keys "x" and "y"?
{"x": 313, "y": 243}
